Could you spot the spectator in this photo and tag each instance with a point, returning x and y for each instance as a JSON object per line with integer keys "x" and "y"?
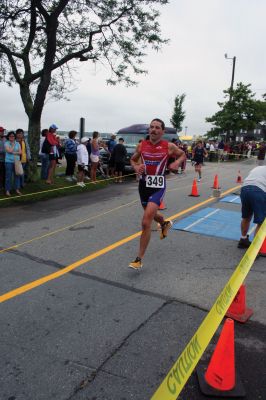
{"x": 221, "y": 150}
{"x": 89, "y": 148}
{"x": 211, "y": 152}
{"x": 71, "y": 155}
{"x": 253, "y": 199}
{"x": 25, "y": 155}
{"x": 53, "y": 153}
{"x": 83, "y": 161}
{"x": 44, "y": 156}
{"x": 13, "y": 152}
{"x": 119, "y": 154}
{"x": 94, "y": 155}
{"x": 111, "y": 165}
{"x": 2, "y": 158}
{"x": 226, "y": 151}
{"x": 261, "y": 154}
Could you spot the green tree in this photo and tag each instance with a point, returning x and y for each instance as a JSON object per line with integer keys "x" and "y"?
{"x": 241, "y": 112}
{"x": 178, "y": 113}
{"x": 42, "y": 42}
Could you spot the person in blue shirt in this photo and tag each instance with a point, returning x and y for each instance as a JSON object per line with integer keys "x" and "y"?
{"x": 71, "y": 156}
{"x": 111, "y": 163}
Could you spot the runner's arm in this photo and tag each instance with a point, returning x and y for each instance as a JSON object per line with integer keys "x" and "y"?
{"x": 179, "y": 154}
{"x": 138, "y": 168}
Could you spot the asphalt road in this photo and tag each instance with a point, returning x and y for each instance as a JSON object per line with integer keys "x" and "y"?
{"x": 101, "y": 331}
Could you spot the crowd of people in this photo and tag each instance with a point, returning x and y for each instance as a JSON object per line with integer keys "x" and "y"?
{"x": 222, "y": 151}
{"x": 14, "y": 150}
{"x": 83, "y": 157}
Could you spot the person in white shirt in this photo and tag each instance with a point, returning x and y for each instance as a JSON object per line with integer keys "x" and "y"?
{"x": 82, "y": 160}
{"x": 253, "y": 199}
{"x": 211, "y": 152}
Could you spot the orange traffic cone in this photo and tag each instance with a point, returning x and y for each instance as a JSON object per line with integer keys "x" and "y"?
{"x": 216, "y": 183}
{"x": 194, "y": 190}
{"x": 262, "y": 251}
{"x": 238, "y": 310}
{"x": 239, "y": 178}
{"x": 220, "y": 379}
{"x": 162, "y": 206}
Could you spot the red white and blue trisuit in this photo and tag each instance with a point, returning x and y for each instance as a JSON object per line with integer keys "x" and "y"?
{"x": 154, "y": 157}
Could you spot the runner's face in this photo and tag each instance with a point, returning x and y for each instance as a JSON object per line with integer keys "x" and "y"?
{"x": 155, "y": 131}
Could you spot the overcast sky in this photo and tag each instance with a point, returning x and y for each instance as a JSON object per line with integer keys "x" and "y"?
{"x": 200, "y": 33}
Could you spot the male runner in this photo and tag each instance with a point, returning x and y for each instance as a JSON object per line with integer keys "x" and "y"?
{"x": 154, "y": 154}
{"x": 198, "y": 154}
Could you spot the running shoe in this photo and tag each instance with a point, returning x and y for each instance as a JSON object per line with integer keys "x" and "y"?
{"x": 81, "y": 184}
{"x": 165, "y": 228}
{"x": 136, "y": 264}
{"x": 244, "y": 243}
{"x": 199, "y": 179}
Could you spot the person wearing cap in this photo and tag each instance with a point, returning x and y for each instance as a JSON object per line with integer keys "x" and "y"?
{"x": 83, "y": 160}
{"x": 54, "y": 153}
{"x": 53, "y": 128}
{"x": 2, "y": 157}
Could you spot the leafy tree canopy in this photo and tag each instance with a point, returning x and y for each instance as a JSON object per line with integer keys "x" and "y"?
{"x": 241, "y": 112}
{"x": 43, "y": 41}
{"x": 178, "y": 113}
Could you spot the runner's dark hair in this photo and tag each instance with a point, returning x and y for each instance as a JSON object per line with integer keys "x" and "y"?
{"x": 159, "y": 120}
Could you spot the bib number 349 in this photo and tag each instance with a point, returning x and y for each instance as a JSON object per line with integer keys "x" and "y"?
{"x": 155, "y": 181}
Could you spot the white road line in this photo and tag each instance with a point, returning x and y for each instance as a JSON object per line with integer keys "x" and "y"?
{"x": 235, "y": 198}
{"x": 202, "y": 219}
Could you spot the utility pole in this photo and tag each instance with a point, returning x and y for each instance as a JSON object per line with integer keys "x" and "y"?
{"x": 232, "y": 84}
{"x": 233, "y": 74}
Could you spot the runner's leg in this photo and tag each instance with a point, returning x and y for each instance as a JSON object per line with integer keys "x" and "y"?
{"x": 149, "y": 214}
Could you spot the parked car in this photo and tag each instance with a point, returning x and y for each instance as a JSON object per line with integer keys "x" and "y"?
{"x": 104, "y": 156}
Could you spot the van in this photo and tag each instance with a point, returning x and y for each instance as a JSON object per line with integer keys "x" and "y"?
{"x": 134, "y": 133}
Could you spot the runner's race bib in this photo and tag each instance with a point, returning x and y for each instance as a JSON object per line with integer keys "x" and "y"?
{"x": 155, "y": 181}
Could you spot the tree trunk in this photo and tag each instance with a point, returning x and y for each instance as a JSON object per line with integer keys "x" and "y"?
{"x": 34, "y": 133}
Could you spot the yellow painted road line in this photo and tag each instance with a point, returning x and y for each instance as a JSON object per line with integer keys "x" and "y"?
{"x": 182, "y": 369}
{"x": 29, "y": 286}
{"x": 61, "y": 272}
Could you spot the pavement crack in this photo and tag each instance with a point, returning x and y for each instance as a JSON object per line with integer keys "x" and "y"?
{"x": 38, "y": 260}
{"x": 86, "y": 381}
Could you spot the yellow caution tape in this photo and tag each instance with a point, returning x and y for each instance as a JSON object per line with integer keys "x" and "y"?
{"x": 57, "y": 189}
{"x": 178, "y": 375}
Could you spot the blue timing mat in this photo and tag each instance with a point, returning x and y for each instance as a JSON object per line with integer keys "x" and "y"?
{"x": 213, "y": 222}
{"x": 231, "y": 199}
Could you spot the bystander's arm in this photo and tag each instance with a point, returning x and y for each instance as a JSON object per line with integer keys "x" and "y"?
{"x": 180, "y": 154}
